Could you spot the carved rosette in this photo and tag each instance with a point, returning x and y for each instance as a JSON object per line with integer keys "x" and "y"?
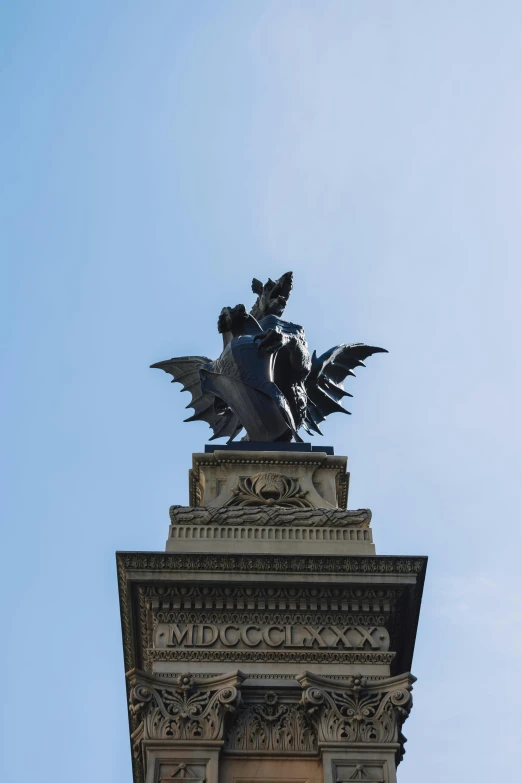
{"x": 186, "y": 709}
{"x": 273, "y": 726}
{"x": 268, "y": 489}
{"x": 359, "y": 711}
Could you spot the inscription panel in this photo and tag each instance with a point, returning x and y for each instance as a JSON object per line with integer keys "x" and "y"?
{"x": 258, "y": 624}
{"x": 270, "y": 636}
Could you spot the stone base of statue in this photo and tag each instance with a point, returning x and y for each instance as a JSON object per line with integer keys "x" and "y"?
{"x": 269, "y": 642}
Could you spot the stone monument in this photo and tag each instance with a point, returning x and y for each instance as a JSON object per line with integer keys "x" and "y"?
{"x": 269, "y": 642}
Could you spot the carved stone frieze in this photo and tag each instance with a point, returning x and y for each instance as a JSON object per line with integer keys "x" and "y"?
{"x": 186, "y": 709}
{"x": 270, "y": 516}
{"x": 272, "y": 726}
{"x": 301, "y": 598}
{"x": 284, "y": 564}
{"x": 360, "y": 710}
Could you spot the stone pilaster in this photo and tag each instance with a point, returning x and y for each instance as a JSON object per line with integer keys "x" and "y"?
{"x": 359, "y": 721}
{"x": 178, "y": 726}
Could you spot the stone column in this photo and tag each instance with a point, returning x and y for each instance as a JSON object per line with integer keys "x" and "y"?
{"x": 269, "y": 641}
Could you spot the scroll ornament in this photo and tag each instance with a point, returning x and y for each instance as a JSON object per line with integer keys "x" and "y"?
{"x": 359, "y": 711}
{"x": 187, "y": 709}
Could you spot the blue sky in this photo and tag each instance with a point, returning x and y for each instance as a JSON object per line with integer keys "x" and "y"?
{"x": 155, "y": 157}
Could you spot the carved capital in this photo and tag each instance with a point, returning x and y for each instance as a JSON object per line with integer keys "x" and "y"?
{"x": 359, "y": 710}
{"x": 183, "y": 709}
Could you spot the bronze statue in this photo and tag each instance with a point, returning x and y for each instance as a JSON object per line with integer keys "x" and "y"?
{"x": 265, "y": 380}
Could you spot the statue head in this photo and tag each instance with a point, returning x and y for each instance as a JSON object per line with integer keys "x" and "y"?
{"x": 272, "y": 296}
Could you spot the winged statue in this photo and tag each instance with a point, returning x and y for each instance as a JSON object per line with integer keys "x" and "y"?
{"x": 265, "y": 381}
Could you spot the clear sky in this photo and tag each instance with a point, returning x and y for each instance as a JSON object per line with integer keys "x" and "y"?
{"x": 155, "y": 156}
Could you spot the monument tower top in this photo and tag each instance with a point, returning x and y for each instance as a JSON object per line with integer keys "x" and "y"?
{"x": 269, "y": 641}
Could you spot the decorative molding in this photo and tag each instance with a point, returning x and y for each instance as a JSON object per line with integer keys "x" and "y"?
{"x": 359, "y": 711}
{"x": 298, "y": 618}
{"x": 298, "y": 459}
{"x": 267, "y": 656}
{"x": 254, "y": 676}
{"x": 293, "y": 564}
{"x": 251, "y": 537}
{"x": 269, "y": 676}
{"x": 188, "y": 709}
{"x": 125, "y": 609}
{"x": 270, "y": 516}
{"x": 303, "y": 598}
{"x": 272, "y": 726}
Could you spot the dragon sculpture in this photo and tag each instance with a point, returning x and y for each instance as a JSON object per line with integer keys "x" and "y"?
{"x": 265, "y": 380}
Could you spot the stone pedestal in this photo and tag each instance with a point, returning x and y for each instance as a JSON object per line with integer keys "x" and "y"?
{"x": 269, "y": 641}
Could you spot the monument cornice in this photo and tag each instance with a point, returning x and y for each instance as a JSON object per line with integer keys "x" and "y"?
{"x": 305, "y": 585}
{"x": 159, "y": 562}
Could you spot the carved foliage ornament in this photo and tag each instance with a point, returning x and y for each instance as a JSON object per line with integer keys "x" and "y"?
{"x": 273, "y": 726}
{"x": 269, "y": 489}
{"x": 186, "y": 709}
{"x": 359, "y": 711}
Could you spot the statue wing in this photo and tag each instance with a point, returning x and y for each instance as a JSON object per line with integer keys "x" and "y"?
{"x": 185, "y": 370}
{"x": 324, "y": 384}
